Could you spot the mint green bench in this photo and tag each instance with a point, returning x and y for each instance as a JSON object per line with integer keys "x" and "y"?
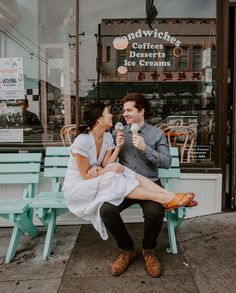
{"x": 19, "y": 169}
{"x": 50, "y": 205}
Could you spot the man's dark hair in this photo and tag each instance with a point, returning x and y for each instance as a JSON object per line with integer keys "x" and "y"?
{"x": 140, "y": 102}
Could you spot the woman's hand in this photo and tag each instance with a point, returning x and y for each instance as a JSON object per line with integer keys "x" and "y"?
{"x": 120, "y": 139}
{"x": 93, "y": 172}
{"x": 115, "y": 167}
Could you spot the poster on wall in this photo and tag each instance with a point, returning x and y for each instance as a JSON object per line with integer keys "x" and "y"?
{"x": 11, "y": 79}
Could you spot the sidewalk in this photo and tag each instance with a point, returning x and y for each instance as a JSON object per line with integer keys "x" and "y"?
{"x": 206, "y": 261}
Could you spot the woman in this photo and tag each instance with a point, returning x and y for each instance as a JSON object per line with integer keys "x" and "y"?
{"x": 93, "y": 177}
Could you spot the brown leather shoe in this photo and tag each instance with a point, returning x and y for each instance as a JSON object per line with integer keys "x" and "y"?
{"x": 122, "y": 262}
{"x": 152, "y": 263}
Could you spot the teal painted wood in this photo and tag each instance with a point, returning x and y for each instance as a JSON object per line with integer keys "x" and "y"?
{"x": 55, "y": 172}
{"x": 20, "y": 158}
{"x": 15, "y": 237}
{"x": 50, "y": 233}
{"x": 52, "y": 202}
{"x": 56, "y": 161}
{"x": 19, "y": 178}
{"x": 174, "y": 152}
{"x": 57, "y": 151}
{"x": 168, "y": 173}
{"x": 13, "y": 206}
{"x": 19, "y": 168}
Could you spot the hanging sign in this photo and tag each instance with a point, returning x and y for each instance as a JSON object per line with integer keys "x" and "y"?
{"x": 11, "y": 79}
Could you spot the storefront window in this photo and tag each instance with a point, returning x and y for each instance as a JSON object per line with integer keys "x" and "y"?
{"x": 37, "y": 57}
{"x": 172, "y": 64}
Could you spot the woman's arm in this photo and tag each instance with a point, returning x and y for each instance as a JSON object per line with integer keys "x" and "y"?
{"x": 83, "y": 166}
{"x": 110, "y": 156}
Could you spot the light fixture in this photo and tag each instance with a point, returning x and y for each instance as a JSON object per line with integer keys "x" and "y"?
{"x": 122, "y": 69}
{"x": 120, "y": 43}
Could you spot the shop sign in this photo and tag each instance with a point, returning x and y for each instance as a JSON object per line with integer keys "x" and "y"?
{"x": 11, "y": 79}
{"x": 147, "y": 53}
{"x": 201, "y": 153}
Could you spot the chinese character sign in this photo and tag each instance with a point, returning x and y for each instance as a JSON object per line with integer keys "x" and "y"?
{"x": 11, "y": 79}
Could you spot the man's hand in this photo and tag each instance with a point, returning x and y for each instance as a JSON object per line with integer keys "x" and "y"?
{"x": 93, "y": 172}
{"x": 138, "y": 142}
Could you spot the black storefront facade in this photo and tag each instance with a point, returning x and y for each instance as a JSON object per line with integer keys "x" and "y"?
{"x": 71, "y": 60}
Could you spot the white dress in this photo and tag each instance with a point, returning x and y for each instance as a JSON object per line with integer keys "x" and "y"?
{"x": 85, "y": 197}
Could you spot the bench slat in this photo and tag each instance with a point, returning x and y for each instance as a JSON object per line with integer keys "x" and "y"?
{"x": 175, "y": 162}
{"x": 20, "y": 158}
{"x": 13, "y": 206}
{"x": 19, "y": 168}
{"x": 19, "y": 178}
{"x": 169, "y": 173}
{"x": 54, "y": 172}
{"x": 57, "y": 151}
{"x": 56, "y": 161}
{"x": 174, "y": 152}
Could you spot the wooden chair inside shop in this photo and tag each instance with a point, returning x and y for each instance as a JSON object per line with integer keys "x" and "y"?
{"x": 68, "y": 134}
{"x": 182, "y": 137}
{"x": 162, "y": 126}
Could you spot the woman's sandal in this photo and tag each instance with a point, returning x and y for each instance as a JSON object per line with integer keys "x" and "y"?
{"x": 192, "y": 204}
{"x": 180, "y": 200}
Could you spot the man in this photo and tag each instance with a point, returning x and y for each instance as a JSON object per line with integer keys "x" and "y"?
{"x": 33, "y": 129}
{"x": 142, "y": 152}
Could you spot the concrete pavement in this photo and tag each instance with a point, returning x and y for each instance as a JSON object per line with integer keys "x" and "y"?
{"x": 206, "y": 261}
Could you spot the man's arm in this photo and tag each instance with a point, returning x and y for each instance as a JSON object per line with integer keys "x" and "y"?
{"x": 160, "y": 156}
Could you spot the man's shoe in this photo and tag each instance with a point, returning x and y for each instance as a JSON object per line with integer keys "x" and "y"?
{"x": 152, "y": 263}
{"x": 122, "y": 262}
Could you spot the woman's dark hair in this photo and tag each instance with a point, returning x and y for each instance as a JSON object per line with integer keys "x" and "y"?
{"x": 91, "y": 114}
{"x": 140, "y": 102}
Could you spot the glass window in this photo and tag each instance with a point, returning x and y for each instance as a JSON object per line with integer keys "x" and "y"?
{"x": 121, "y": 57}
{"x": 108, "y": 54}
{"x": 38, "y": 41}
{"x": 197, "y": 58}
{"x": 183, "y": 60}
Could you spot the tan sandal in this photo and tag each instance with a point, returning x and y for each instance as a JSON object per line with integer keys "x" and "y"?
{"x": 180, "y": 200}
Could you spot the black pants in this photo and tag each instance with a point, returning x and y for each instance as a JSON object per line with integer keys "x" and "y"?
{"x": 153, "y": 214}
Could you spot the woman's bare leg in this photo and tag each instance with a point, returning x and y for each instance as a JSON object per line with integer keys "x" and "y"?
{"x": 143, "y": 193}
{"x": 148, "y": 190}
{"x": 149, "y": 184}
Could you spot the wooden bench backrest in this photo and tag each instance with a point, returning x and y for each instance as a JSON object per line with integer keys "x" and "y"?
{"x": 20, "y": 168}
{"x": 174, "y": 170}
{"x": 57, "y": 159}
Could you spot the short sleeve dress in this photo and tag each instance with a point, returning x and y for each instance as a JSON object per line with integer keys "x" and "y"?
{"x": 85, "y": 197}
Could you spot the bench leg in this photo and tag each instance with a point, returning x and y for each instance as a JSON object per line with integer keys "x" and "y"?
{"x": 15, "y": 236}
{"x": 50, "y": 233}
{"x": 27, "y": 226}
{"x": 171, "y": 224}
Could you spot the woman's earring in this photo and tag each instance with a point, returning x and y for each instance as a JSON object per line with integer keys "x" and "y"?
{"x": 100, "y": 122}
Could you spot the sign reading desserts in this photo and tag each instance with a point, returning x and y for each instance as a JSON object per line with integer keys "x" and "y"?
{"x": 148, "y": 53}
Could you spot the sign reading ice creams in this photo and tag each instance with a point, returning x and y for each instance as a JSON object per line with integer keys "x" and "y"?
{"x": 147, "y": 53}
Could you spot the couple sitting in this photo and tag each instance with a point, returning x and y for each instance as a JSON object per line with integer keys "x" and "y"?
{"x": 98, "y": 189}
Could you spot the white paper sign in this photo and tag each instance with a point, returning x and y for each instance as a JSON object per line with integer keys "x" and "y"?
{"x": 206, "y": 58}
{"x": 11, "y": 79}
{"x": 11, "y": 135}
